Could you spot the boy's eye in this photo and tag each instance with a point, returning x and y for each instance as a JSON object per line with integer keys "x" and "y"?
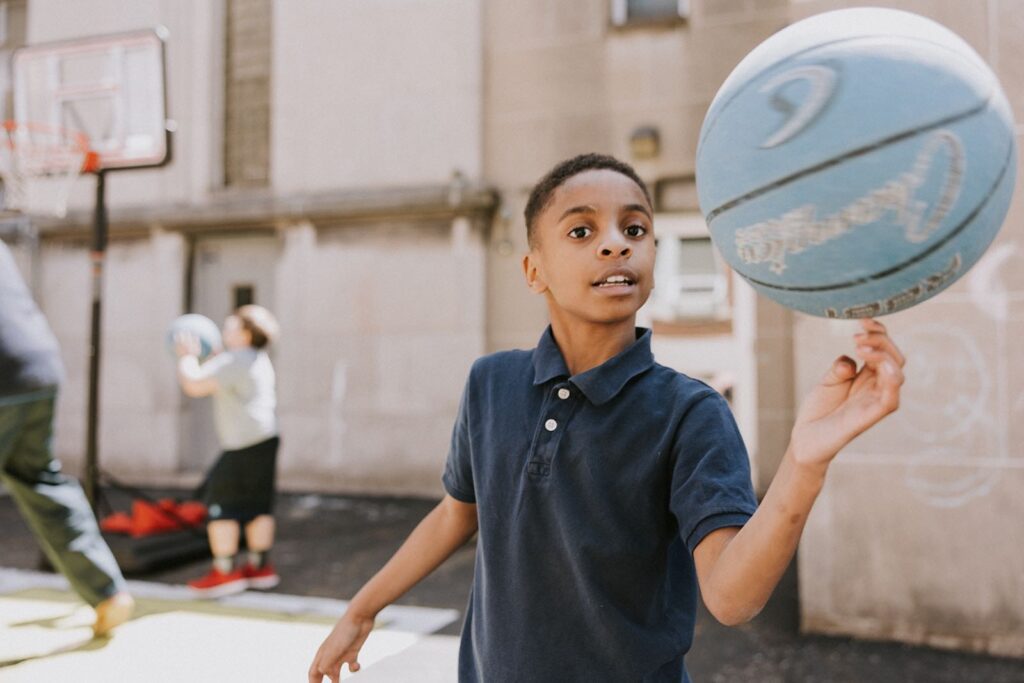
{"x": 580, "y": 232}
{"x": 636, "y": 231}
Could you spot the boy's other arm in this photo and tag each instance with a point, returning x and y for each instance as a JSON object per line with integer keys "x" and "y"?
{"x": 443, "y": 531}
{"x": 194, "y": 382}
{"x": 191, "y": 379}
{"x": 738, "y": 568}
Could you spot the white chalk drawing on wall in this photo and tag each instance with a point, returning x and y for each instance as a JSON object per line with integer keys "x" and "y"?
{"x": 954, "y": 403}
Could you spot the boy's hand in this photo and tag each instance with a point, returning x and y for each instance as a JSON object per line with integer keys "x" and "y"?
{"x": 341, "y": 646}
{"x": 847, "y": 402}
{"x": 187, "y": 344}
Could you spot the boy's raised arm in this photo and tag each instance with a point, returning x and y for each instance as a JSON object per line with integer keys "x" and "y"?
{"x": 443, "y": 531}
{"x": 738, "y": 568}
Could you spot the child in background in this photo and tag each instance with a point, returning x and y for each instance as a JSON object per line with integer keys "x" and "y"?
{"x": 239, "y": 490}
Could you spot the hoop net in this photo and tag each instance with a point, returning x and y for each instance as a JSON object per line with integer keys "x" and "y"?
{"x": 39, "y": 164}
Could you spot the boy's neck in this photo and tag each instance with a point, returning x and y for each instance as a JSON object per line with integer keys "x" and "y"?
{"x": 587, "y": 345}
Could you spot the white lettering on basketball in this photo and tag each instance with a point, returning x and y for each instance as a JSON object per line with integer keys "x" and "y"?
{"x": 822, "y": 81}
{"x": 903, "y": 299}
{"x": 799, "y": 229}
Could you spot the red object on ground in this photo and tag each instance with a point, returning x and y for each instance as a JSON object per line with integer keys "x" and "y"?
{"x": 117, "y": 523}
{"x": 148, "y": 518}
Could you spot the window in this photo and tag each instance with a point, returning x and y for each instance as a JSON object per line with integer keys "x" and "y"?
{"x": 692, "y": 282}
{"x": 649, "y": 11}
{"x": 243, "y": 295}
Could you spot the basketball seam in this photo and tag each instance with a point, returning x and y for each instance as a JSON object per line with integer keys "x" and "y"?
{"x": 749, "y": 81}
{"x": 835, "y": 161}
{"x": 909, "y": 262}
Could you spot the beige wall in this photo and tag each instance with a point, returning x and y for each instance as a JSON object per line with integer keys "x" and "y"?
{"x": 916, "y": 536}
{"x": 379, "y": 328}
{"x": 378, "y": 94}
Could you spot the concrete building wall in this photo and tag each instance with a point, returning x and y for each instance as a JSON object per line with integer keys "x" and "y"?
{"x": 377, "y": 94}
{"x": 916, "y": 536}
{"x": 374, "y": 383}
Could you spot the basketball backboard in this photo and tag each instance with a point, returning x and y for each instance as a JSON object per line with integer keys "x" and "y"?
{"x": 109, "y": 88}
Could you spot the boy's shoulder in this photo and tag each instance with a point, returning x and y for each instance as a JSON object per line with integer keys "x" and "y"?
{"x": 678, "y": 385}
{"x": 501, "y": 363}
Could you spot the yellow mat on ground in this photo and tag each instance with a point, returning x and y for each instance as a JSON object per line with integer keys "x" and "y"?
{"x": 45, "y": 636}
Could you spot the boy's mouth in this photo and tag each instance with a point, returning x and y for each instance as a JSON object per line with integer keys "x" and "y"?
{"x": 616, "y": 279}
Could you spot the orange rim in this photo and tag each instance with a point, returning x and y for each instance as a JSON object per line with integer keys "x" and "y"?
{"x": 63, "y": 139}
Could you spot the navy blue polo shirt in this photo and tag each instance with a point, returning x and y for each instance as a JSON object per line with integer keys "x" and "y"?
{"x": 592, "y": 492}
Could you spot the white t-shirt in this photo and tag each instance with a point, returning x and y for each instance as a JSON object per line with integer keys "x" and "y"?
{"x": 244, "y": 404}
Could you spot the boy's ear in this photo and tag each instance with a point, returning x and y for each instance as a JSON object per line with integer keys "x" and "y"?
{"x": 534, "y": 280}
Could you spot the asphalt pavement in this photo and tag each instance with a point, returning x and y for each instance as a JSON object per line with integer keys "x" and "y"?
{"x": 329, "y": 545}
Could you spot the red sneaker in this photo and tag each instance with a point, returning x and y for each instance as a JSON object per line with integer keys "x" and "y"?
{"x": 262, "y": 578}
{"x": 217, "y": 584}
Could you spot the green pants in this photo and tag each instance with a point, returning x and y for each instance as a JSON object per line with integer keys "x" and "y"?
{"x": 52, "y": 503}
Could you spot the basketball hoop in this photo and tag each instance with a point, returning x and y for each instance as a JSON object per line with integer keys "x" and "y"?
{"x": 39, "y": 164}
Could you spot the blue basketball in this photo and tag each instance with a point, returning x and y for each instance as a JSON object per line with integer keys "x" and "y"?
{"x": 856, "y": 163}
{"x": 202, "y": 327}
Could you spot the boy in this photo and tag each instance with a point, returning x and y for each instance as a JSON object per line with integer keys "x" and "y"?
{"x": 53, "y": 504}
{"x": 604, "y": 487}
{"x": 239, "y": 489}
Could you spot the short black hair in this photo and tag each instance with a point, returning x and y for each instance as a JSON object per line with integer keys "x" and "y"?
{"x": 542, "y": 192}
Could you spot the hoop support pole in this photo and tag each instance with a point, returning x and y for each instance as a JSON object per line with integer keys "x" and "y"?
{"x": 98, "y": 257}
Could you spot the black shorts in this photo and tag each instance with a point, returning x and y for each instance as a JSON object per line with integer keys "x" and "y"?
{"x": 240, "y": 485}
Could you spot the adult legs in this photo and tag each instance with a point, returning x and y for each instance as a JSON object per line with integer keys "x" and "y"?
{"x": 54, "y": 504}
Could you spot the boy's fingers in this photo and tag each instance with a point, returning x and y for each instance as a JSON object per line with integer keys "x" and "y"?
{"x": 882, "y": 341}
{"x": 872, "y": 325}
{"x": 318, "y": 670}
{"x": 890, "y": 379}
{"x": 874, "y": 358}
{"x": 888, "y": 374}
{"x": 843, "y": 368}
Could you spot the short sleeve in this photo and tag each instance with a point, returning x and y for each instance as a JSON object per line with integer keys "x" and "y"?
{"x": 458, "y": 469}
{"x": 711, "y": 483}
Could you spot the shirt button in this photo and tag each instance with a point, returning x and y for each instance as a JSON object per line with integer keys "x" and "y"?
{"x": 551, "y": 425}
{"x": 563, "y": 393}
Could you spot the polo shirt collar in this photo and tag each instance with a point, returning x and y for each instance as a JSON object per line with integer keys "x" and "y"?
{"x": 600, "y": 384}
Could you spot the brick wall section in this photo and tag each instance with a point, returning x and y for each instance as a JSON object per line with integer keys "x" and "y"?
{"x": 247, "y": 100}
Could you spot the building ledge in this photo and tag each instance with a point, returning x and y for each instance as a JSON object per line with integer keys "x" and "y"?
{"x": 262, "y": 210}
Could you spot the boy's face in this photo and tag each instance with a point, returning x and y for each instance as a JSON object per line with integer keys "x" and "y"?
{"x": 593, "y": 251}
{"x": 234, "y": 333}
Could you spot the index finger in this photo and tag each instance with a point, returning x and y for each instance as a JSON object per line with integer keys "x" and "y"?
{"x": 317, "y": 676}
{"x": 872, "y": 325}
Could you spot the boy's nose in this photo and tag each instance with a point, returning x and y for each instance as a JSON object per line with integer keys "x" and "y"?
{"x": 615, "y": 248}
